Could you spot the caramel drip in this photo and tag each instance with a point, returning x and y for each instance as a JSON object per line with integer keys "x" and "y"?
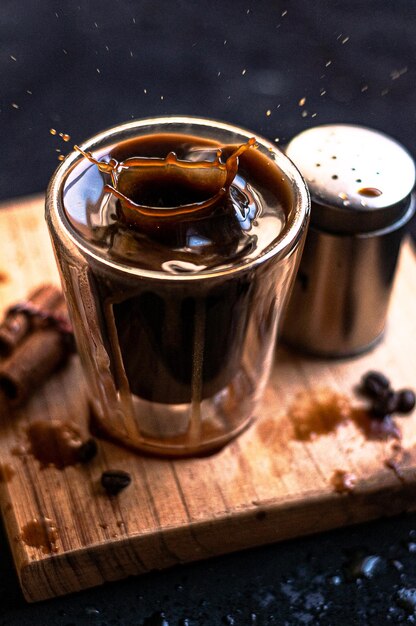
{"x": 217, "y": 173}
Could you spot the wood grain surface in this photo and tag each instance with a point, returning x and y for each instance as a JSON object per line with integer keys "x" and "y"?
{"x": 274, "y": 482}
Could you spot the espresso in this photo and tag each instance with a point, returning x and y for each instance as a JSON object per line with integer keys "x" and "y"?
{"x": 174, "y": 206}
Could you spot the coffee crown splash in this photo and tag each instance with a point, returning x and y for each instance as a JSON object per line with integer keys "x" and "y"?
{"x": 208, "y": 181}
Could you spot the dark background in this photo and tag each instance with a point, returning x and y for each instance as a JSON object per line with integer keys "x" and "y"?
{"x": 80, "y": 68}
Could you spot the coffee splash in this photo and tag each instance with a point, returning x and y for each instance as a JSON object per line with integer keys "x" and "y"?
{"x": 228, "y": 223}
{"x": 202, "y": 184}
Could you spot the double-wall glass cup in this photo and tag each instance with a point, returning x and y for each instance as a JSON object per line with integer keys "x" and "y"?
{"x": 176, "y": 359}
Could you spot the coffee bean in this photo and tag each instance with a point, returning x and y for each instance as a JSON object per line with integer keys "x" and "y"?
{"x": 406, "y": 401}
{"x": 385, "y": 404}
{"x": 114, "y": 481}
{"x": 375, "y": 384}
{"x": 87, "y": 451}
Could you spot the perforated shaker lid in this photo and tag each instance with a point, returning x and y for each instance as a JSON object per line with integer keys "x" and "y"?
{"x": 358, "y": 178}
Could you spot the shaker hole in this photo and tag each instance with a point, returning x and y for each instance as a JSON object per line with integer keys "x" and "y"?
{"x": 334, "y": 177}
{"x": 358, "y": 180}
{"x": 317, "y": 164}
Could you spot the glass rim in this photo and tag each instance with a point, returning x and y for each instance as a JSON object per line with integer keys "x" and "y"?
{"x": 284, "y": 243}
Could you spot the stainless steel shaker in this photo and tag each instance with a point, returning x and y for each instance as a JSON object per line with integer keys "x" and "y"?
{"x": 361, "y": 184}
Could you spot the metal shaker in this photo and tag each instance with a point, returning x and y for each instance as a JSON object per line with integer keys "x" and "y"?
{"x": 361, "y": 184}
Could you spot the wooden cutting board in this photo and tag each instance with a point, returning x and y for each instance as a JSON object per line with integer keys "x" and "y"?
{"x": 274, "y": 482}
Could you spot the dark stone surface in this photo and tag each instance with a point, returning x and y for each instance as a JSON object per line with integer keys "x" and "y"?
{"x": 364, "y": 575}
{"x": 193, "y": 54}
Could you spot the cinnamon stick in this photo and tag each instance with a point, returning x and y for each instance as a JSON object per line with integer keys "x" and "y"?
{"x": 38, "y": 355}
{"x": 19, "y": 322}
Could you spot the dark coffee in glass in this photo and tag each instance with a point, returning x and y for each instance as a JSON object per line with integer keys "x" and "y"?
{"x": 177, "y": 240}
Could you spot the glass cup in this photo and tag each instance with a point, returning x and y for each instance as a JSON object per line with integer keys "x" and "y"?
{"x": 176, "y": 363}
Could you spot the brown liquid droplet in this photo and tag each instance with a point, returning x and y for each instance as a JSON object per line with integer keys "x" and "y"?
{"x": 61, "y": 157}
{"x": 370, "y": 192}
{"x": 41, "y": 534}
{"x": 343, "y": 482}
{"x": 65, "y": 136}
{"x": 53, "y": 442}
{"x": 6, "y": 472}
{"x": 52, "y": 131}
